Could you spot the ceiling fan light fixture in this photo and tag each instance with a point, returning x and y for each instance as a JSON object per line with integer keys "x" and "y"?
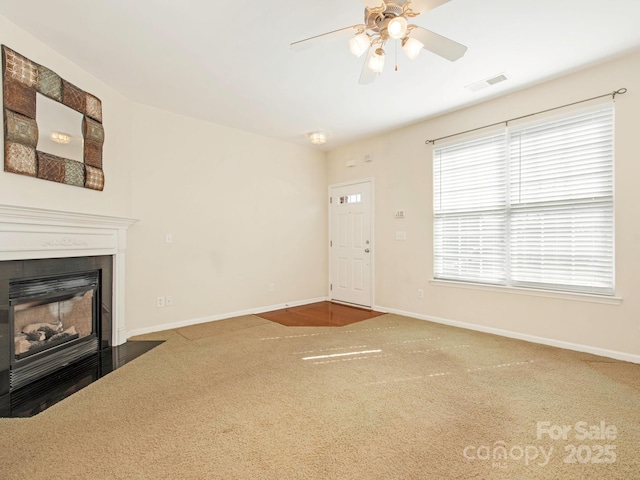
{"x": 376, "y": 62}
{"x": 397, "y": 27}
{"x": 412, "y": 47}
{"x": 318, "y": 138}
{"x": 359, "y": 44}
{"x": 386, "y": 20}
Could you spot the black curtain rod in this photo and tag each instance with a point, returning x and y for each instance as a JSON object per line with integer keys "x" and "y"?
{"x": 620, "y": 91}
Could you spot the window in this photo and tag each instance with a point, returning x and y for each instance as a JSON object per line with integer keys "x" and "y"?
{"x": 355, "y": 198}
{"x": 529, "y": 206}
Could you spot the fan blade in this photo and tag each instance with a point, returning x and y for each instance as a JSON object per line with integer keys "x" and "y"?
{"x": 367, "y": 75}
{"x": 421, "y": 6}
{"x": 318, "y": 40}
{"x": 438, "y": 44}
{"x": 371, "y": 4}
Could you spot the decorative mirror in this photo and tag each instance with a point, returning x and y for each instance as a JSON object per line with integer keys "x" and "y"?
{"x": 52, "y": 129}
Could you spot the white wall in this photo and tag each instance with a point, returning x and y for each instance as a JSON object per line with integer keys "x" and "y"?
{"x": 244, "y": 211}
{"x": 403, "y": 174}
{"x": 22, "y": 190}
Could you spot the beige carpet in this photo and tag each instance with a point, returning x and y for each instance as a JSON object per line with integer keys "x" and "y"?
{"x": 205, "y": 330}
{"x": 386, "y": 398}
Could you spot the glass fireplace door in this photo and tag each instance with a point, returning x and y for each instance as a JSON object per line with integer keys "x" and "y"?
{"x": 43, "y": 324}
{"x": 54, "y": 321}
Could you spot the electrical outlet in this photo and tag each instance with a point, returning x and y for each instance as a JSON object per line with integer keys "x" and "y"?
{"x": 400, "y": 235}
{"x": 168, "y": 301}
{"x": 160, "y": 302}
{"x": 420, "y": 293}
{"x": 168, "y": 238}
{"x": 272, "y": 287}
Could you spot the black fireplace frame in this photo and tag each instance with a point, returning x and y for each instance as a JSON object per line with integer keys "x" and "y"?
{"x": 14, "y": 270}
{"x": 50, "y": 358}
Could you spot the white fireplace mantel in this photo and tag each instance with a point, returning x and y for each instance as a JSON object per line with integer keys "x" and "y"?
{"x": 30, "y": 233}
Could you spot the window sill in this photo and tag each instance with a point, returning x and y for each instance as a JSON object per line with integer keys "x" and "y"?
{"x": 578, "y": 297}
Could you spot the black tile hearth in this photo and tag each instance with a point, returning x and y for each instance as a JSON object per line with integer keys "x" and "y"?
{"x": 40, "y": 395}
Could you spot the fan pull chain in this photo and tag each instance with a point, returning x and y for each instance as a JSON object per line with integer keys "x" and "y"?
{"x": 396, "y": 48}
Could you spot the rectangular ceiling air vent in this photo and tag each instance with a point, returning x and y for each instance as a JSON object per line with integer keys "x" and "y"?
{"x": 496, "y": 79}
{"x": 487, "y": 82}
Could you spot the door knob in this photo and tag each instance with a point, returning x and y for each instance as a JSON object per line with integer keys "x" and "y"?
{"x": 366, "y": 250}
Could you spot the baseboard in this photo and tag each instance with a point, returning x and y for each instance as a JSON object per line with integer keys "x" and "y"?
{"x": 627, "y": 357}
{"x": 223, "y": 316}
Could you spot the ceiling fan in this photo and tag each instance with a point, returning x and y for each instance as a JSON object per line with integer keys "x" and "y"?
{"x": 388, "y": 20}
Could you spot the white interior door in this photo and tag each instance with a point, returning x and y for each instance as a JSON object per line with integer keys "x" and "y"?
{"x": 350, "y": 244}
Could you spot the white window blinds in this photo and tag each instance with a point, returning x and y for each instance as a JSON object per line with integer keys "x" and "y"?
{"x": 531, "y": 206}
{"x": 469, "y": 200}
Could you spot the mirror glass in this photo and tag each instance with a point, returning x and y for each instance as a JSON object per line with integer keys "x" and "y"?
{"x": 59, "y": 129}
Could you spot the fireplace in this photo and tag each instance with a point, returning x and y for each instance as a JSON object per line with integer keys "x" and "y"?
{"x": 59, "y": 311}
{"x": 54, "y": 321}
{"x": 62, "y": 322}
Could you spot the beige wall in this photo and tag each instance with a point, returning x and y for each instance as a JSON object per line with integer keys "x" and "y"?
{"x": 402, "y": 167}
{"x": 244, "y": 211}
{"x": 115, "y": 200}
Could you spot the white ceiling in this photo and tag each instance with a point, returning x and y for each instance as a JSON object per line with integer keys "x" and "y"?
{"x": 230, "y": 62}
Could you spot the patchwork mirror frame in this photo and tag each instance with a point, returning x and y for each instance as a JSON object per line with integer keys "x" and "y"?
{"x": 22, "y": 79}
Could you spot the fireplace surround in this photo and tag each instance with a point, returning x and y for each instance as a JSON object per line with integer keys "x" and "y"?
{"x": 41, "y": 245}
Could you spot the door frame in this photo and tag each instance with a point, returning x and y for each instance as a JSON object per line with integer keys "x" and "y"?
{"x": 371, "y": 182}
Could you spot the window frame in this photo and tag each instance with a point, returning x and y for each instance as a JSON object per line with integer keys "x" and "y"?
{"x": 608, "y": 294}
